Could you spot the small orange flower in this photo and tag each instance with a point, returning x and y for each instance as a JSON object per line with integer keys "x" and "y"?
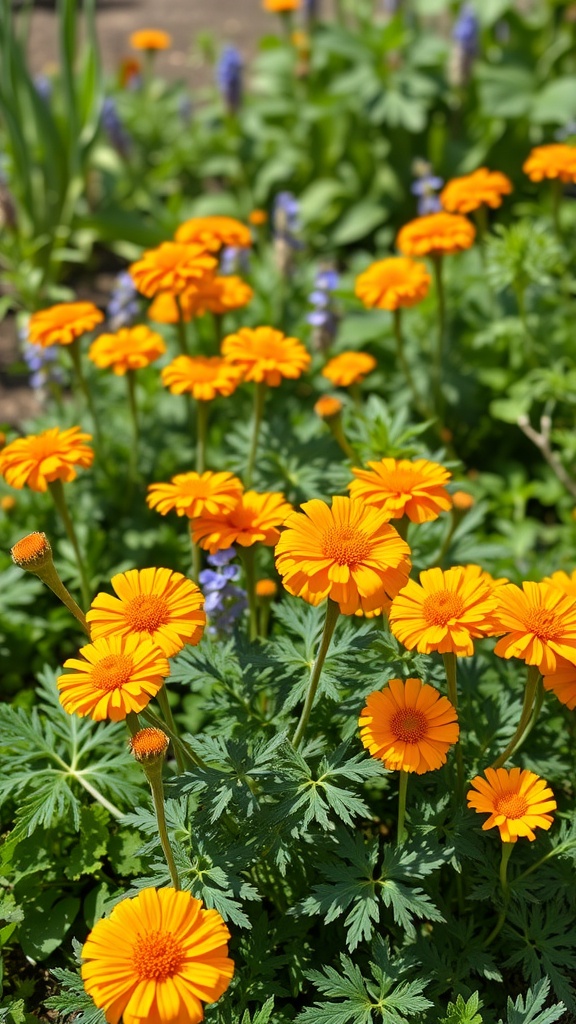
{"x": 39, "y": 459}
{"x": 265, "y": 354}
{"x": 436, "y": 234}
{"x": 149, "y": 745}
{"x": 266, "y": 589}
{"x": 348, "y": 553}
{"x": 328, "y": 406}
{"x": 257, "y": 218}
{"x": 565, "y": 583}
{"x": 193, "y": 494}
{"x": 214, "y": 232}
{"x": 204, "y": 377}
{"x": 409, "y": 726}
{"x": 172, "y": 267}
{"x": 61, "y": 324}
{"x": 214, "y": 295}
{"x": 539, "y": 622}
{"x": 130, "y": 69}
{"x": 557, "y": 160}
{"x": 156, "y": 604}
{"x": 445, "y": 612}
{"x": 562, "y": 682}
{"x": 400, "y": 487}
{"x": 7, "y": 503}
{"x": 349, "y": 368}
{"x": 150, "y": 39}
{"x": 118, "y": 674}
{"x": 462, "y": 500}
{"x": 131, "y": 348}
{"x": 517, "y": 802}
{"x": 469, "y": 193}
{"x": 393, "y": 283}
{"x": 255, "y": 518}
{"x": 278, "y": 6}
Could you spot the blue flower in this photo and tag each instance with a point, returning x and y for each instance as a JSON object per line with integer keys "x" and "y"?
{"x": 123, "y": 306}
{"x": 323, "y": 316}
{"x": 229, "y": 77}
{"x": 112, "y": 125}
{"x": 224, "y": 601}
{"x": 425, "y": 187}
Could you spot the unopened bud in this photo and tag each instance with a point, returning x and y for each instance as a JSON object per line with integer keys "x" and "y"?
{"x": 266, "y": 588}
{"x": 7, "y": 503}
{"x": 149, "y": 745}
{"x": 327, "y": 407}
{"x": 462, "y": 500}
{"x": 33, "y": 552}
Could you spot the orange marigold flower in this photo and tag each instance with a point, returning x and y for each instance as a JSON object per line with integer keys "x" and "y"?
{"x": 348, "y": 552}
{"x": 436, "y": 234}
{"x": 566, "y": 583}
{"x": 562, "y": 682}
{"x": 257, "y": 217}
{"x": 215, "y": 295}
{"x": 150, "y": 39}
{"x": 265, "y": 354}
{"x": 482, "y": 188}
{"x": 557, "y": 160}
{"x": 149, "y": 745}
{"x": 517, "y": 802}
{"x": 204, "y": 377}
{"x": 266, "y": 588}
{"x": 328, "y": 406}
{"x": 400, "y": 487}
{"x": 463, "y": 500}
{"x": 193, "y": 494}
{"x": 255, "y": 518}
{"x": 156, "y": 604}
{"x": 393, "y": 283}
{"x": 539, "y": 622}
{"x": 118, "y": 674}
{"x": 278, "y": 6}
{"x": 158, "y": 957}
{"x": 61, "y": 324}
{"x": 445, "y": 612}
{"x": 38, "y": 459}
{"x": 131, "y": 348}
{"x": 409, "y": 726}
{"x": 215, "y": 232}
{"x": 349, "y": 368}
{"x": 172, "y": 267}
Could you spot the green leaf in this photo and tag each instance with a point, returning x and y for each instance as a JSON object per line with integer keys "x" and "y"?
{"x": 464, "y": 1011}
{"x": 556, "y": 102}
{"x": 531, "y": 1009}
{"x": 359, "y": 221}
{"x": 86, "y": 856}
{"x": 46, "y": 922}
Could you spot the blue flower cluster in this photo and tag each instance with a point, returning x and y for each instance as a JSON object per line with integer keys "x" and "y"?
{"x": 229, "y": 78}
{"x": 286, "y": 226}
{"x": 123, "y": 306}
{"x": 115, "y": 130}
{"x": 225, "y": 601}
{"x": 42, "y": 363}
{"x": 426, "y": 186}
{"x": 323, "y": 317}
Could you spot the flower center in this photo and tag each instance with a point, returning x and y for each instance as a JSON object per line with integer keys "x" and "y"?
{"x": 157, "y": 955}
{"x": 409, "y": 725}
{"x": 402, "y": 482}
{"x": 43, "y": 447}
{"x": 346, "y": 545}
{"x": 439, "y": 608}
{"x": 148, "y": 744}
{"x": 146, "y": 613}
{"x": 543, "y": 623}
{"x": 511, "y": 805}
{"x": 113, "y": 672}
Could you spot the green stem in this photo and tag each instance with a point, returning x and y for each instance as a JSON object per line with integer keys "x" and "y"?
{"x": 172, "y": 730}
{"x": 404, "y": 364}
{"x": 247, "y": 556}
{"x": 557, "y": 193}
{"x": 337, "y": 430}
{"x": 202, "y": 409}
{"x": 49, "y": 575}
{"x": 98, "y": 796}
{"x": 182, "y": 333}
{"x": 131, "y": 380}
{"x": 259, "y": 400}
{"x": 481, "y": 219}
{"x": 450, "y": 666}
{"x": 57, "y": 491}
{"x": 402, "y": 790}
{"x": 526, "y": 714}
{"x": 437, "y": 263}
{"x": 83, "y": 384}
{"x": 506, "y": 852}
{"x": 154, "y": 776}
{"x": 332, "y": 613}
{"x": 196, "y": 556}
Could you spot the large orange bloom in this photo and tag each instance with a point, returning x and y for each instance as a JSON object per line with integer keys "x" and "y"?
{"x": 437, "y": 234}
{"x": 562, "y": 682}
{"x": 150, "y": 39}
{"x": 156, "y": 959}
{"x": 400, "y": 487}
{"x": 348, "y": 368}
{"x": 557, "y": 160}
{"x": 517, "y": 802}
{"x": 482, "y": 188}
{"x": 172, "y": 267}
{"x": 39, "y": 459}
{"x": 539, "y": 622}
{"x": 203, "y": 377}
{"x": 255, "y": 518}
{"x": 131, "y": 348}
{"x": 156, "y": 604}
{"x": 118, "y": 674}
{"x": 216, "y": 295}
{"x": 193, "y": 494}
{"x": 409, "y": 726}
{"x": 265, "y": 354}
{"x": 393, "y": 283}
{"x": 445, "y": 612}
{"x": 348, "y": 552}
{"x": 566, "y": 583}
{"x": 215, "y": 232}
{"x": 61, "y": 324}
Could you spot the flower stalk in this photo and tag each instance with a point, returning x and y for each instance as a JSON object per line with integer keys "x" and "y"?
{"x": 506, "y": 854}
{"x": 525, "y": 716}
{"x": 57, "y": 491}
{"x": 332, "y": 613}
{"x": 259, "y": 401}
{"x": 402, "y": 791}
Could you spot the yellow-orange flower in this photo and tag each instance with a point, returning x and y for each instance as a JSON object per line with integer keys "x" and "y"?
{"x": 266, "y": 588}
{"x": 463, "y": 500}
{"x": 328, "y": 406}
{"x": 203, "y": 377}
{"x": 131, "y": 348}
{"x": 401, "y": 487}
{"x": 117, "y": 674}
{"x": 436, "y": 234}
{"x": 156, "y": 604}
{"x": 445, "y": 612}
{"x": 193, "y": 494}
{"x": 393, "y": 283}
{"x": 214, "y": 295}
{"x": 566, "y": 583}
{"x": 214, "y": 232}
{"x": 562, "y": 682}
{"x": 348, "y": 553}
{"x": 156, "y": 959}
{"x": 38, "y": 459}
{"x": 172, "y": 267}
{"x": 409, "y": 726}
{"x": 257, "y": 217}
{"x": 265, "y": 354}
{"x": 278, "y": 6}
{"x": 539, "y": 622}
{"x": 517, "y": 802}
{"x": 150, "y": 39}
{"x": 255, "y": 518}
{"x": 469, "y": 193}
{"x": 61, "y": 324}
{"x": 348, "y": 368}
{"x": 557, "y": 160}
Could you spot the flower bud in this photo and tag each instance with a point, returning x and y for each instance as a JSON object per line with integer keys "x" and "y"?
{"x": 33, "y": 552}
{"x": 149, "y": 745}
{"x": 266, "y": 589}
{"x": 327, "y": 407}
